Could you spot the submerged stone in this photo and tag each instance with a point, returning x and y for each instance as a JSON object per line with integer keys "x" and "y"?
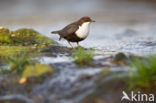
{"x": 120, "y": 58}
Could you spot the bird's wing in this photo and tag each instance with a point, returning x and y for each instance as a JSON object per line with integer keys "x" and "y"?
{"x": 69, "y": 29}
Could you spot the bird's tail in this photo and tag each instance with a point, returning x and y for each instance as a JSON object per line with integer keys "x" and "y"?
{"x": 55, "y": 32}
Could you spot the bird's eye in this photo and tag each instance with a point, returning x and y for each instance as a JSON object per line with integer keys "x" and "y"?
{"x": 87, "y": 19}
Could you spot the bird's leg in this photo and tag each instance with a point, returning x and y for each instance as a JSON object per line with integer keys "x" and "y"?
{"x": 77, "y": 43}
{"x": 70, "y": 44}
{"x": 60, "y": 38}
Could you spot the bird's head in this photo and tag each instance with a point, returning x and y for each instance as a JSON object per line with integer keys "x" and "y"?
{"x": 86, "y": 19}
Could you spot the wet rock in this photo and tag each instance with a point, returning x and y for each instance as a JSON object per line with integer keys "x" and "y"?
{"x": 149, "y": 44}
{"x": 56, "y": 50}
{"x": 120, "y": 58}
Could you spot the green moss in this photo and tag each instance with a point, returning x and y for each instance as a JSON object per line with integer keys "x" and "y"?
{"x": 143, "y": 73}
{"x": 12, "y": 50}
{"x": 36, "y": 70}
{"x": 4, "y": 30}
{"x": 22, "y": 40}
{"x": 29, "y": 36}
{"x": 83, "y": 57}
{"x": 5, "y": 37}
{"x": 22, "y": 36}
{"x": 16, "y": 48}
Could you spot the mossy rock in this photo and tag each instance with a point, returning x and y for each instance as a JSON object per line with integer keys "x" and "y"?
{"x": 22, "y": 41}
{"x": 11, "y": 50}
{"x": 5, "y": 36}
{"x": 29, "y": 36}
{"x": 22, "y": 36}
{"x": 120, "y": 58}
{"x": 36, "y": 70}
{"x": 4, "y": 30}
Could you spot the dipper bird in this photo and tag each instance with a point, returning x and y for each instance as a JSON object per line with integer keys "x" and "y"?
{"x": 76, "y": 31}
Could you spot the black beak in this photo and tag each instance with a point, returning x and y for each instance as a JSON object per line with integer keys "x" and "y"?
{"x": 93, "y": 20}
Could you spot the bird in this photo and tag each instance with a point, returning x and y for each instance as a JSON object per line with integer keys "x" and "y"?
{"x": 76, "y": 31}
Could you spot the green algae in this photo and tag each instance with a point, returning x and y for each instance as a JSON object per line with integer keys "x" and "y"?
{"x": 82, "y": 57}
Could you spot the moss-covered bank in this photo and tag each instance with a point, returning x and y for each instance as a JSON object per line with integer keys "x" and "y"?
{"x": 17, "y": 50}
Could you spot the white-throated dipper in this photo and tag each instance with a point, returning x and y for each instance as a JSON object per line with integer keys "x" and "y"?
{"x": 76, "y": 31}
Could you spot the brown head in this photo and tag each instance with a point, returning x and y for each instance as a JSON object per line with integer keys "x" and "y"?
{"x": 84, "y": 19}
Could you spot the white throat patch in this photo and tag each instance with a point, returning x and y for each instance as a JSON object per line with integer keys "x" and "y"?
{"x": 83, "y": 30}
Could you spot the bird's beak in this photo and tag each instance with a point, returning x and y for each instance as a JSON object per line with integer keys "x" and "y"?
{"x": 93, "y": 20}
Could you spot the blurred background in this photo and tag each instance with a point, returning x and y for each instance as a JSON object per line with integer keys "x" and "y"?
{"x": 128, "y": 23}
{"x": 40, "y": 12}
